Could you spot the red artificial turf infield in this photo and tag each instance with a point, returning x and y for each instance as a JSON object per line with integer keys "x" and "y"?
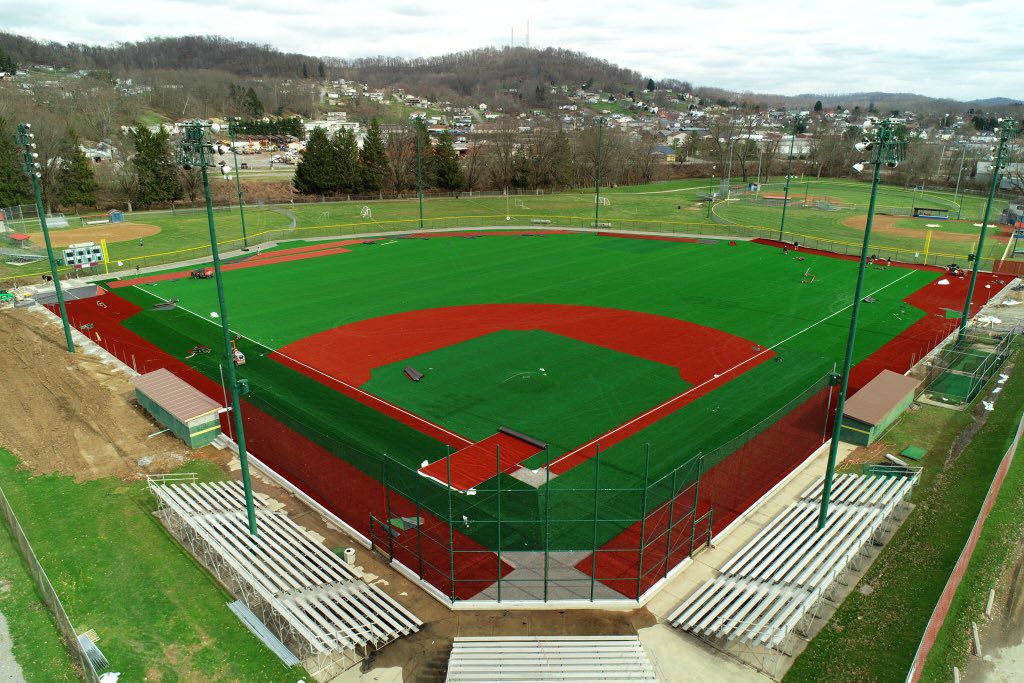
{"x": 475, "y": 464}
{"x": 340, "y": 487}
{"x": 344, "y": 357}
{"x": 736, "y": 483}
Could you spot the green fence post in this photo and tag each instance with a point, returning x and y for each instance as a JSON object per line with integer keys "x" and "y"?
{"x": 696, "y": 499}
{"x": 387, "y": 505}
{"x": 451, "y": 530}
{"x": 597, "y": 497}
{"x": 671, "y": 517}
{"x": 547, "y": 518}
{"x": 419, "y": 526}
{"x": 643, "y": 521}
{"x": 497, "y": 469}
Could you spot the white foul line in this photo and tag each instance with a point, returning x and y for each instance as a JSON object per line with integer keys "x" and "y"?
{"x": 725, "y": 372}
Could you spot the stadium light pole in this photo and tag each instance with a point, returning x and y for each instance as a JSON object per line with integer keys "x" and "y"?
{"x": 597, "y": 183}
{"x": 887, "y": 147}
{"x": 1006, "y": 130}
{"x": 959, "y": 204}
{"x": 789, "y": 174}
{"x": 31, "y": 167}
{"x": 192, "y": 152}
{"x": 419, "y": 165}
{"x": 233, "y": 124}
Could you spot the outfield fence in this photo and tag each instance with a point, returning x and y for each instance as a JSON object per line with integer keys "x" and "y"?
{"x": 47, "y": 593}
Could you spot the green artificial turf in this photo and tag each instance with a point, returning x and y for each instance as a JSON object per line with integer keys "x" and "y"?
{"x": 748, "y": 290}
{"x": 556, "y": 389}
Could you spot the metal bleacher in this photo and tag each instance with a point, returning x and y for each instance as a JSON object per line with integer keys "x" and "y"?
{"x": 308, "y": 597}
{"x": 775, "y": 585}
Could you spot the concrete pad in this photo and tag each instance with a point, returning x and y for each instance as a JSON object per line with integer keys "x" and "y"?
{"x": 679, "y": 657}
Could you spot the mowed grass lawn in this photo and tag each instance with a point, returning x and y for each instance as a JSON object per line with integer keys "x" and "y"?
{"x": 159, "y": 614}
{"x": 874, "y": 637}
{"x": 667, "y": 206}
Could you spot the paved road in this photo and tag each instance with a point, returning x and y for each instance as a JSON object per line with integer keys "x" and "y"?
{"x": 10, "y": 670}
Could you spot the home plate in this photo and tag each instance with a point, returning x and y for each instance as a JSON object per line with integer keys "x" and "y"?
{"x": 535, "y": 478}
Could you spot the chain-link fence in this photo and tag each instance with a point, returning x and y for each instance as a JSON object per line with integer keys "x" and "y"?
{"x": 958, "y": 371}
{"x": 46, "y": 592}
{"x": 603, "y": 531}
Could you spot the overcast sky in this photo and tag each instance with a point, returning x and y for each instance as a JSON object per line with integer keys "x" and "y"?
{"x": 964, "y": 49}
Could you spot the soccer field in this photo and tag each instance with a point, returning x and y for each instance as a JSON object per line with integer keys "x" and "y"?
{"x": 644, "y": 353}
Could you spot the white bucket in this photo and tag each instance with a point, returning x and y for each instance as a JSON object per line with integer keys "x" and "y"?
{"x": 350, "y": 556}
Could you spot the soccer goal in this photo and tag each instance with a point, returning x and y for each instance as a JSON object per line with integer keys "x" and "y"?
{"x": 603, "y": 201}
{"x": 366, "y": 212}
{"x": 520, "y": 204}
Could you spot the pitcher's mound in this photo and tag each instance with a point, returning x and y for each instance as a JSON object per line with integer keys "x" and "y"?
{"x": 111, "y": 232}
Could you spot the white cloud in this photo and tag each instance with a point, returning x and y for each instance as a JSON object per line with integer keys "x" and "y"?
{"x": 934, "y": 47}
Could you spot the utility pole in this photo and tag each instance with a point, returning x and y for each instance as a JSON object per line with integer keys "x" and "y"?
{"x": 29, "y": 164}
{"x": 597, "y": 183}
{"x": 192, "y": 152}
{"x": 887, "y": 148}
{"x": 789, "y": 174}
{"x": 232, "y": 131}
{"x": 1001, "y": 154}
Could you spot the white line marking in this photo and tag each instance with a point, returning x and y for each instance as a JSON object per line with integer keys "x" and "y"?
{"x": 724, "y": 372}
{"x": 377, "y": 399}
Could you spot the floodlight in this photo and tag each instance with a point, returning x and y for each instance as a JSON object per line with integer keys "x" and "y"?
{"x": 863, "y": 146}
{"x": 215, "y": 127}
{"x": 892, "y": 164}
{"x": 858, "y": 167}
{"x": 28, "y": 125}
{"x": 35, "y": 155}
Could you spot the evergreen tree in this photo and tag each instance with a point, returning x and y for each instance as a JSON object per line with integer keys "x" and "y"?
{"x": 818, "y": 107}
{"x": 154, "y": 165}
{"x": 427, "y": 168}
{"x": 253, "y": 106}
{"x": 372, "y": 161}
{"x": 7, "y": 63}
{"x": 321, "y": 70}
{"x": 650, "y": 84}
{"x": 317, "y": 172}
{"x": 346, "y": 150}
{"x": 15, "y": 187}
{"x": 75, "y": 180}
{"x": 445, "y": 163}
{"x": 305, "y": 70}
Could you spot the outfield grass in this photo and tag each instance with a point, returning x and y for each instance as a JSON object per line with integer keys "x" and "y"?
{"x": 159, "y": 615}
{"x": 911, "y": 571}
{"x": 748, "y": 290}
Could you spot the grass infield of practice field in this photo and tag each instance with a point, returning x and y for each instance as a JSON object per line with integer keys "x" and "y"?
{"x": 748, "y": 290}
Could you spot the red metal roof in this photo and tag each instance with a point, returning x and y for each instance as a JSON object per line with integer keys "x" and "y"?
{"x": 18, "y": 236}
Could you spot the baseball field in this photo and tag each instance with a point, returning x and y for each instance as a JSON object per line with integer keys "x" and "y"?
{"x": 575, "y": 389}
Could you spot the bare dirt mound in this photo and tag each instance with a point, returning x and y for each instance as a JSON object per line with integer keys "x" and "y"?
{"x": 72, "y": 414}
{"x": 111, "y": 232}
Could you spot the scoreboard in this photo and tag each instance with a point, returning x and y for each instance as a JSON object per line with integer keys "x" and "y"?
{"x": 84, "y": 255}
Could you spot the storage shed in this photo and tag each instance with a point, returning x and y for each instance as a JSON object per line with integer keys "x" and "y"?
{"x": 188, "y": 413}
{"x": 876, "y": 406}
